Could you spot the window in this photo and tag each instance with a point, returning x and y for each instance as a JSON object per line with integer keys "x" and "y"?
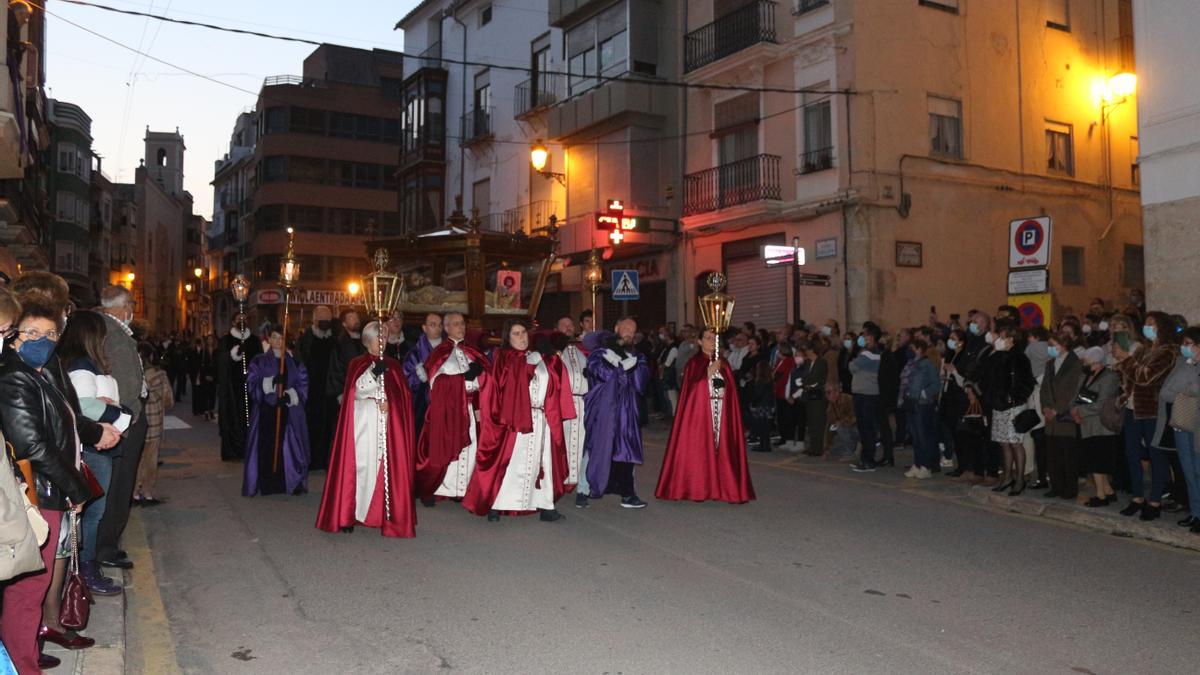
{"x": 273, "y": 169}
{"x": 161, "y": 159}
{"x": 736, "y": 122}
{"x": 1072, "y": 266}
{"x": 66, "y": 158}
{"x": 65, "y": 207}
{"x": 1059, "y": 151}
{"x": 803, "y": 6}
{"x": 598, "y": 46}
{"x": 1134, "y": 267}
{"x": 305, "y": 219}
{"x": 269, "y": 218}
{"x": 818, "y": 133}
{"x": 944, "y": 5}
{"x": 614, "y": 54}
{"x": 1135, "y": 169}
{"x": 367, "y": 128}
{"x": 1058, "y": 14}
{"x": 308, "y": 121}
{"x": 481, "y": 197}
{"x": 275, "y": 120}
{"x": 366, "y": 175}
{"x": 485, "y": 15}
{"x": 945, "y": 127}
{"x": 306, "y": 170}
{"x": 341, "y": 125}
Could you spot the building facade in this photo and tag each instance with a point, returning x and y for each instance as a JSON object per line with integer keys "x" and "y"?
{"x": 25, "y": 220}
{"x": 900, "y": 181}
{"x": 228, "y": 247}
{"x": 323, "y": 164}
{"x": 70, "y": 189}
{"x": 1169, "y": 135}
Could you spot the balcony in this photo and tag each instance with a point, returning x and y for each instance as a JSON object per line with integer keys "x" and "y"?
{"x": 744, "y": 27}
{"x": 476, "y": 126}
{"x": 746, "y": 180}
{"x": 536, "y": 94}
{"x": 529, "y": 217}
{"x": 815, "y": 160}
{"x": 804, "y": 6}
{"x": 431, "y": 57}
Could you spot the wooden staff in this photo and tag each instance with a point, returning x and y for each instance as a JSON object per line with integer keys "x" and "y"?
{"x": 280, "y": 385}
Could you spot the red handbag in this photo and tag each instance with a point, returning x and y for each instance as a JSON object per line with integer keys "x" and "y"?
{"x": 76, "y": 598}
{"x": 94, "y": 486}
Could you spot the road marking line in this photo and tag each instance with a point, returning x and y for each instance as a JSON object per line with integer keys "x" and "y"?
{"x": 146, "y": 612}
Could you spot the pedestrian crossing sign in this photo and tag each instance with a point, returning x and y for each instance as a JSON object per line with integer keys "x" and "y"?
{"x": 625, "y": 285}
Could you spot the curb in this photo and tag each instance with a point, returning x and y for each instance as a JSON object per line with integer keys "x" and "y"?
{"x": 1099, "y": 520}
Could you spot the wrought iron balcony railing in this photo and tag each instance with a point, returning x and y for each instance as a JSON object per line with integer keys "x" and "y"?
{"x": 743, "y": 27}
{"x": 476, "y": 126}
{"x": 815, "y": 160}
{"x": 741, "y": 182}
{"x": 539, "y": 92}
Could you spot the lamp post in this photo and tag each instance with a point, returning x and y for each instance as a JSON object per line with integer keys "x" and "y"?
{"x": 1117, "y": 90}
{"x": 240, "y": 289}
{"x": 289, "y": 274}
{"x": 381, "y": 297}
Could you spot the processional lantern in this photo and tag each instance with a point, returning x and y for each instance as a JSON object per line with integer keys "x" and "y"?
{"x": 716, "y": 309}
{"x": 381, "y": 289}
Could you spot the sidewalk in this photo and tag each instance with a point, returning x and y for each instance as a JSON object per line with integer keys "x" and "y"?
{"x": 106, "y": 626}
{"x": 1105, "y": 519}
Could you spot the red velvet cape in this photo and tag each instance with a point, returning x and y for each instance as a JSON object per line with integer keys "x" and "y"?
{"x": 692, "y": 470}
{"x": 337, "y": 502}
{"x": 447, "y": 427}
{"x": 506, "y": 412}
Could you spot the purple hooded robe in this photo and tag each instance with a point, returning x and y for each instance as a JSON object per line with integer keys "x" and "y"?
{"x": 258, "y": 477}
{"x": 611, "y": 412}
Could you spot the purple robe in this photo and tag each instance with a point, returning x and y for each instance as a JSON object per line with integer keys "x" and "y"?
{"x": 611, "y": 416}
{"x": 420, "y": 390}
{"x": 295, "y": 450}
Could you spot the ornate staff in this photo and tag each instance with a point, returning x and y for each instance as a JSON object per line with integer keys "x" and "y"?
{"x": 240, "y": 288}
{"x": 381, "y": 291}
{"x": 716, "y": 311}
{"x": 289, "y": 274}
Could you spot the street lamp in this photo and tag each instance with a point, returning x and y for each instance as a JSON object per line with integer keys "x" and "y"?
{"x": 130, "y": 277}
{"x": 539, "y": 157}
{"x": 1122, "y": 84}
{"x": 199, "y": 272}
{"x": 289, "y": 274}
{"x": 593, "y": 274}
{"x": 187, "y": 288}
{"x": 239, "y": 288}
{"x": 353, "y": 288}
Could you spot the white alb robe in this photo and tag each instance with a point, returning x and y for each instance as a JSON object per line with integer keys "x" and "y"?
{"x": 573, "y": 430}
{"x": 520, "y": 489}
{"x": 458, "y": 473}
{"x": 370, "y": 442}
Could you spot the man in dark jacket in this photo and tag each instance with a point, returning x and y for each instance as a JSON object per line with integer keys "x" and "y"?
{"x": 314, "y": 350}
{"x": 347, "y": 346}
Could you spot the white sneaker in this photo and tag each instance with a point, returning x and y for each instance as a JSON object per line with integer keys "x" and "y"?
{"x": 947, "y": 463}
{"x": 799, "y": 447}
{"x": 923, "y": 473}
{"x": 911, "y": 473}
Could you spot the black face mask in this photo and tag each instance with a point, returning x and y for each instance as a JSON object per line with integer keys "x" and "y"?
{"x": 325, "y": 325}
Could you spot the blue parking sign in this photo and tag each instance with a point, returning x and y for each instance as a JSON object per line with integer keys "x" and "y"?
{"x": 625, "y": 285}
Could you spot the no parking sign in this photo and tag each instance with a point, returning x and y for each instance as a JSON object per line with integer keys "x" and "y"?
{"x": 1029, "y": 242}
{"x": 1032, "y": 310}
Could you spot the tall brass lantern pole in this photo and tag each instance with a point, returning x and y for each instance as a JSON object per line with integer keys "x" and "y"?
{"x": 716, "y": 311}
{"x": 289, "y": 275}
{"x": 381, "y": 291}
{"x": 240, "y": 289}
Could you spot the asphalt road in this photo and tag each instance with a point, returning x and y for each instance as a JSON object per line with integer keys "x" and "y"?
{"x": 820, "y": 575}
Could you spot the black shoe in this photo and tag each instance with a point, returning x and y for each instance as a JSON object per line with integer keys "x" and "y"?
{"x": 862, "y": 468}
{"x": 1038, "y": 485}
{"x": 429, "y": 502}
{"x": 119, "y": 563}
{"x": 1016, "y": 491}
{"x": 1151, "y": 512}
{"x": 1195, "y": 528}
{"x": 349, "y": 529}
{"x": 493, "y": 516}
{"x": 1051, "y": 494}
{"x": 955, "y": 473}
{"x": 1133, "y": 508}
{"x": 886, "y": 462}
{"x": 1188, "y": 522}
{"x": 581, "y": 501}
{"x": 632, "y": 503}
{"x": 1005, "y": 486}
{"x": 1096, "y": 502}
{"x": 549, "y": 515}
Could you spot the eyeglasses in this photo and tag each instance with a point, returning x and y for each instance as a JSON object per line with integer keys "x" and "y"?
{"x": 30, "y": 334}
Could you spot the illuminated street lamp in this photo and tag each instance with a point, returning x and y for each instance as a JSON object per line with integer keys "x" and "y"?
{"x": 1122, "y": 84}
{"x": 130, "y": 277}
{"x": 187, "y": 287}
{"x": 539, "y": 157}
{"x": 199, "y": 272}
{"x": 353, "y": 288}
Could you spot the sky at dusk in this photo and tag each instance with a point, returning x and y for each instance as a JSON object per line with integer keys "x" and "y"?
{"x": 124, "y": 92}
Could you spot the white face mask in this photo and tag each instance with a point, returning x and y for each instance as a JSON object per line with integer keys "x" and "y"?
{"x": 1103, "y": 325}
{"x": 1087, "y": 329}
{"x": 989, "y": 338}
{"x": 826, "y": 330}
{"x": 1002, "y": 345}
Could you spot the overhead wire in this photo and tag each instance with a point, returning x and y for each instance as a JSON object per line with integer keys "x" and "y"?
{"x": 658, "y": 82}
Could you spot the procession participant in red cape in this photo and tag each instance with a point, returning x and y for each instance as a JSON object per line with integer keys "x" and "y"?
{"x": 448, "y": 441}
{"x": 370, "y": 479}
{"x": 522, "y": 461}
{"x": 574, "y": 359}
{"x": 706, "y": 454}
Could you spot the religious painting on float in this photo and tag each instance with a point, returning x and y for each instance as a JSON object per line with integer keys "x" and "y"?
{"x": 508, "y": 289}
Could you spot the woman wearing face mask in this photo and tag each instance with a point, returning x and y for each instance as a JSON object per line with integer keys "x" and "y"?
{"x": 1060, "y": 386}
{"x": 1142, "y": 376}
{"x": 1098, "y": 451}
{"x": 1006, "y": 386}
{"x": 1183, "y": 379}
{"x": 785, "y": 409}
{"x": 38, "y": 421}
{"x": 919, "y": 386}
{"x": 954, "y": 402}
{"x": 845, "y": 355}
{"x": 812, "y": 393}
{"x": 1185, "y": 441}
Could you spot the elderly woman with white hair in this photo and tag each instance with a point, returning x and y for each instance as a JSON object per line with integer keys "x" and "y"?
{"x": 1098, "y": 456}
{"x": 371, "y": 466}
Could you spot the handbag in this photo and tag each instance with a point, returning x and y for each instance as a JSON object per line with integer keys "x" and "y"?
{"x": 90, "y": 478}
{"x": 1026, "y": 420}
{"x": 76, "y": 598}
{"x": 1185, "y": 412}
{"x": 1112, "y": 417}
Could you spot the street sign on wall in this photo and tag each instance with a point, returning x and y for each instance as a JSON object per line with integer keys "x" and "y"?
{"x": 1029, "y": 242}
{"x": 1032, "y": 310}
{"x": 625, "y": 285}
{"x": 1026, "y": 282}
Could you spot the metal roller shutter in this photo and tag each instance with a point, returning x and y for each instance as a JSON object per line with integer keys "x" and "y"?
{"x": 760, "y": 294}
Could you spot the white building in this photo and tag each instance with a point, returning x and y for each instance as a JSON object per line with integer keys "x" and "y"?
{"x": 1169, "y": 140}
